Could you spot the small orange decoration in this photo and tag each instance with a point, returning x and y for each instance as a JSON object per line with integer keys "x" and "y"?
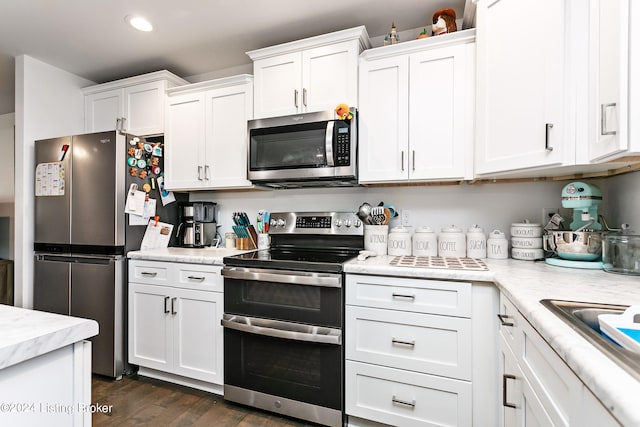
{"x": 342, "y": 110}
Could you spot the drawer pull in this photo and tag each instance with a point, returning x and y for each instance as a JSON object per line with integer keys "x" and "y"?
{"x": 411, "y": 404}
{"x": 166, "y": 300}
{"x": 148, "y": 274}
{"x": 506, "y": 377}
{"x": 503, "y": 320}
{"x": 411, "y": 297}
{"x": 198, "y": 278}
{"x": 399, "y": 342}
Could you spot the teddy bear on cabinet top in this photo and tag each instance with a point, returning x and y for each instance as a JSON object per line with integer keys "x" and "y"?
{"x": 444, "y": 22}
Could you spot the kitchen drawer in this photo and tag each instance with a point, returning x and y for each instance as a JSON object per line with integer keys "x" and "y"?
{"x": 509, "y": 321}
{"x": 204, "y": 277}
{"x": 407, "y": 399}
{"x": 417, "y": 295}
{"x": 150, "y": 272}
{"x": 425, "y": 343}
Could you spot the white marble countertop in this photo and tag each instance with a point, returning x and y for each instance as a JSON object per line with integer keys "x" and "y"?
{"x": 525, "y": 283}
{"x": 25, "y": 334}
{"x": 207, "y": 255}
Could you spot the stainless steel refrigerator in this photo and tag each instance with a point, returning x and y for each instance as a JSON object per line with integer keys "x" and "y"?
{"x": 82, "y": 233}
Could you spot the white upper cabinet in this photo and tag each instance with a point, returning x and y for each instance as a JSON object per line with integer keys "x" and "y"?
{"x": 206, "y": 134}
{"x": 134, "y": 105}
{"x": 416, "y": 110}
{"x": 522, "y": 110}
{"x": 610, "y": 84}
{"x": 308, "y": 75}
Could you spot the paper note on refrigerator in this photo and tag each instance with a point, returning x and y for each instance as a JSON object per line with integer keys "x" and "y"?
{"x": 50, "y": 179}
{"x": 157, "y": 235}
{"x": 149, "y": 211}
{"x": 135, "y": 201}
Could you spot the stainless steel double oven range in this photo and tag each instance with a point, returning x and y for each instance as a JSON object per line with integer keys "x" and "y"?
{"x": 284, "y": 317}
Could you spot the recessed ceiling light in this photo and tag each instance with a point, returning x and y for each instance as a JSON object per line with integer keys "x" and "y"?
{"x": 139, "y": 23}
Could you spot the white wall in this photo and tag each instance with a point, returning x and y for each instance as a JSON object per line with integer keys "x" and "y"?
{"x": 6, "y": 157}
{"x": 49, "y": 103}
{"x": 621, "y": 195}
{"x": 491, "y": 206}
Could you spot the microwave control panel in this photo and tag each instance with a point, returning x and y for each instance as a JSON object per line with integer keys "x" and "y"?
{"x": 343, "y": 144}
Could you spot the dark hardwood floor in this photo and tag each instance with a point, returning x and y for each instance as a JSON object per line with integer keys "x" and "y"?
{"x": 141, "y": 401}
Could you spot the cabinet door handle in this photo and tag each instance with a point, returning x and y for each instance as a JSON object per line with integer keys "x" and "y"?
{"x": 304, "y": 96}
{"x": 506, "y": 377}
{"x": 399, "y": 342}
{"x": 166, "y": 300}
{"x": 295, "y": 97}
{"x": 547, "y": 136}
{"x": 199, "y": 173}
{"x": 173, "y": 307}
{"x": 148, "y": 274}
{"x": 198, "y": 278}
{"x": 411, "y": 404}
{"x": 402, "y": 160}
{"x": 413, "y": 152}
{"x": 503, "y": 320}
{"x": 206, "y": 172}
{"x": 411, "y": 297}
{"x": 118, "y": 123}
{"x": 124, "y": 126}
{"x": 603, "y": 119}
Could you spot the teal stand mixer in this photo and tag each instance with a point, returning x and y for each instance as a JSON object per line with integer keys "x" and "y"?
{"x": 581, "y": 245}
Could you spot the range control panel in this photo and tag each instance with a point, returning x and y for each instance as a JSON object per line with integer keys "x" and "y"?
{"x": 343, "y": 223}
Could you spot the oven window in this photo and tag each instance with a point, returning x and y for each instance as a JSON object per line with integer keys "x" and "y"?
{"x": 316, "y": 305}
{"x": 280, "y": 294}
{"x": 288, "y": 147}
{"x": 302, "y": 371}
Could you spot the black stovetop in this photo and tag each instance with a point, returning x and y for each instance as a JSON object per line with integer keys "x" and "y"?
{"x": 293, "y": 259}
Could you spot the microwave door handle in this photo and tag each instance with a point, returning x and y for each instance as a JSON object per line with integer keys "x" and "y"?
{"x": 328, "y": 142}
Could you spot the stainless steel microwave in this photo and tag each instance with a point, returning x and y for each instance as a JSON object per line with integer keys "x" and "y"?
{"x": 303, "y": 150}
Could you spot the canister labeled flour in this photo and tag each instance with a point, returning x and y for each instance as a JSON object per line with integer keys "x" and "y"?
{"x": 425, "y": 242}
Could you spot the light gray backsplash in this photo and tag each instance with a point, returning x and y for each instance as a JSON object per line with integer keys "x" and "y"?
{"x": 491, "y": 206}
{"x": 621, "y": 195}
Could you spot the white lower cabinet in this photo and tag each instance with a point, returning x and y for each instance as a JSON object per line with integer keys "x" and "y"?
{"x": 174, "y": 322}
{"x": 409, "y": 352}
{"x": 538, "y": 388}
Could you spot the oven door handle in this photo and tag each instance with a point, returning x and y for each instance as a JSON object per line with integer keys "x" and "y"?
{"x": 284, "y": 276}
{"x": 280, "y": 329}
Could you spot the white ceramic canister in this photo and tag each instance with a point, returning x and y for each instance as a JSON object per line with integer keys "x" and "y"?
{"x": 375, "y": 238}
{"x": 497, "y": 245}
{"x": 399, "y": 241}
{"x": 527, "y": 254}
{"x": 526, "y": 229}
{"x": 425, "y": 242}
{"x": 526, "y": 242}
{"x": 476, "y": 242}
{"x": 452, "y": 243}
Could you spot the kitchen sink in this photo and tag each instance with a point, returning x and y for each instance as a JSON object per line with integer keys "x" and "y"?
{"x": 583, "y": 318}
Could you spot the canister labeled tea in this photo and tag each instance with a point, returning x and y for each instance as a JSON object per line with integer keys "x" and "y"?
{"x": 497, "y": 245}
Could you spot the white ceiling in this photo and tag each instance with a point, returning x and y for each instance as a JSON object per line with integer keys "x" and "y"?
{"x": 89, "y": 38}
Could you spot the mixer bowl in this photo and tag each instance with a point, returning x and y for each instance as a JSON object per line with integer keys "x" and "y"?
{"x": 575, "y": 245}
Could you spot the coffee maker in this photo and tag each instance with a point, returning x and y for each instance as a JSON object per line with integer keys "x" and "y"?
{"x": 204, "y": 216}
{"x": 198, "y": 226}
